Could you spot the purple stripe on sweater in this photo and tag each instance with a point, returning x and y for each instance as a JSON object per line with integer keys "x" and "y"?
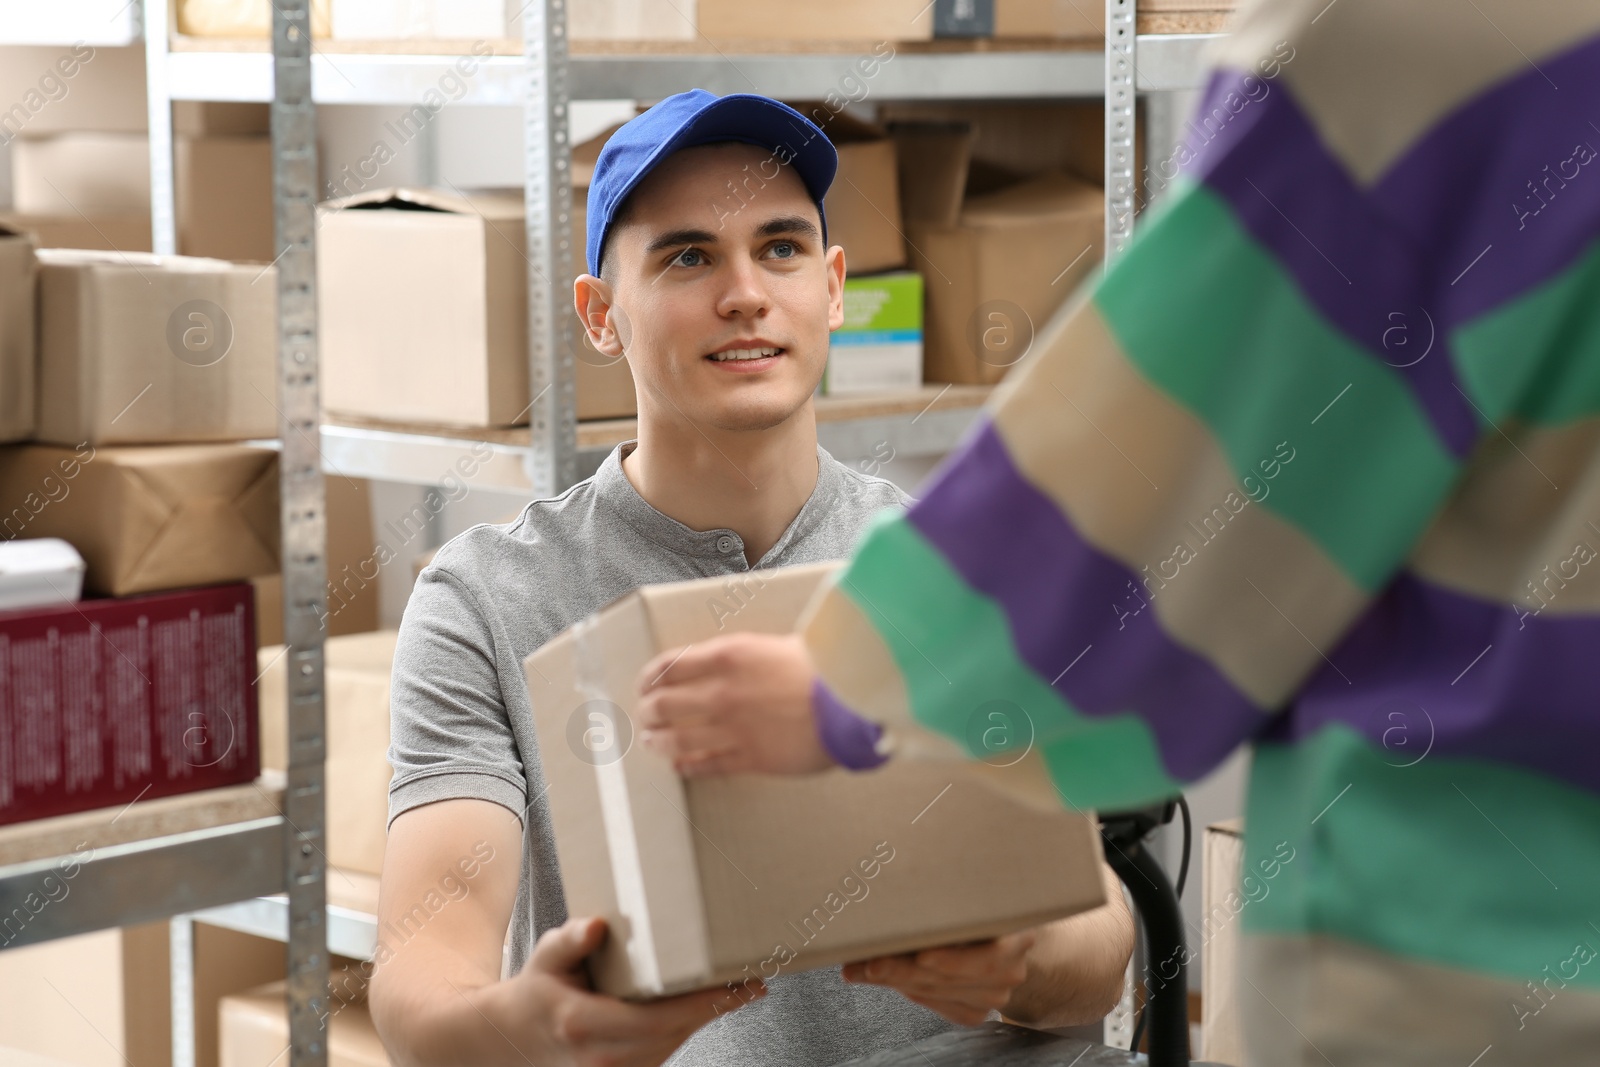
{"x": 1353, "y": 265}
{"x": 1433, "y": 672}
{"x": 851, "y": 740}
{"x": 1478, "y": 184}
{"x": 1453, "y": 230}
{"x": 1060, "y": 595}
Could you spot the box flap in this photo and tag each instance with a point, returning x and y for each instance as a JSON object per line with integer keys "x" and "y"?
{"x": 934, "y": 158}
{"x": 399, "y": 199}
{"x": 840, "y": 126}
{"x": 765, "y": 601}
{"x": 492, "y": 203}
{"x": 1046, "y": 196}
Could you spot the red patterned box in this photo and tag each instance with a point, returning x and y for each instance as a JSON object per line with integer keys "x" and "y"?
{"x": 108, "y": 701}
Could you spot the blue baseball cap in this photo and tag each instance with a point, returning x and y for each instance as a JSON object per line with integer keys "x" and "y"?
{"x": 696, "y": 118}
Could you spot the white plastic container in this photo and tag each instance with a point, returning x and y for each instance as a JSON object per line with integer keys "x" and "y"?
{"x": 38, "y": 572}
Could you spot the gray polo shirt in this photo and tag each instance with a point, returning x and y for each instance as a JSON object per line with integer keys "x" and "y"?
{"x": 462, "y": 726}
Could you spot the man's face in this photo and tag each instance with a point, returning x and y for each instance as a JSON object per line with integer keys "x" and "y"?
{"x": 704, "y": 278}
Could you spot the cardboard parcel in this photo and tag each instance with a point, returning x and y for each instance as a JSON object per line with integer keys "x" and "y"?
{"x": 999, "y": 253}
{"x": 718, "y": 880}
{"x": 149, "y": 518}
{"x": 143, "y": 349}
{"x": 424, "y": 304}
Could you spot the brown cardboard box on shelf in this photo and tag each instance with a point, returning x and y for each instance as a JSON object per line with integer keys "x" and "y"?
{"x": 1223, "y": 865}
{"x": 846, "y": 867}
{"x": 209, "y": 118}
{"x": 423, "y": 299}
{"x": 240, "y": 18}
{"x": 1020, "y": 138}
{"x": 222, "y": 182}
{"x": 254, "y": 1031}
{"x": 783, "y": 21}
{"x": 353, "y": 560}
{"x": 996, "y": 263}
{"x": 56, "y": 88}
{"x": 224, "y": 197}
{"x": 81, "y": 174}
{"x": 997, "y": 274}
{"x": 629, "y": 20}
{"x": 151, "y": 518}
{"x": 143, "y": 349}
{"x": 357, "y": 681}
{"x": 18, "y": 279}
{"x": 108, "y": 233}
{"x": 863, "y": 203}
{"x": 1051, "y": 18}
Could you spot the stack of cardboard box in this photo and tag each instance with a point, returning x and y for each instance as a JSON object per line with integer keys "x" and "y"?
{"x": 133, "y": 379}
{"x": 879, "y": 346}
{"x": 80, "y": 158}
{"x": 95, "y": 97}
{"x": 1002, "y": 224}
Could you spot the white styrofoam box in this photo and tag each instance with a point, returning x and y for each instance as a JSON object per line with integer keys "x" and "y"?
{"x": 39, "y": 571}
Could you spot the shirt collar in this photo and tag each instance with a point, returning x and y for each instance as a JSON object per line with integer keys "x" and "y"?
{"x": 616, "y": 492}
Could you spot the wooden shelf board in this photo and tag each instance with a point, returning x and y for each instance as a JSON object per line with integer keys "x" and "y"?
{"x": 63, "y": 835}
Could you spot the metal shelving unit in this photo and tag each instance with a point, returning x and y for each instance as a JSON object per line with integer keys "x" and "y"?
{"x": 542, "y": 80}
{"x": 179, "y": 855}
{"x": 270, "y": 859}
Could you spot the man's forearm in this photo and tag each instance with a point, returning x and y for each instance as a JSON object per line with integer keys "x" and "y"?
{"x": 1076, "y": 968}
{"x": 430, "y": 1019}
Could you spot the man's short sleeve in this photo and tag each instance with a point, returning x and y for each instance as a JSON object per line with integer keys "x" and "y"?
{"x": 450, "y": 736}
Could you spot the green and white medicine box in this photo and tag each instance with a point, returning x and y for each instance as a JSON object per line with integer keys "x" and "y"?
{"x": 879, "y": 347}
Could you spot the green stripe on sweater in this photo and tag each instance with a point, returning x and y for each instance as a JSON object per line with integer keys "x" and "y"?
{"x": 953, "y": 648}
{"x": 1206, "y": 315}
{"x": 1460, "y": 862}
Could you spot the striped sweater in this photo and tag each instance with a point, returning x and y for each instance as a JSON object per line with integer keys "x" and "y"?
{"x": 1314, "y": 468}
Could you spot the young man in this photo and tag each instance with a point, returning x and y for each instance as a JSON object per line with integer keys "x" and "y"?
{"x": 723, "y": 308}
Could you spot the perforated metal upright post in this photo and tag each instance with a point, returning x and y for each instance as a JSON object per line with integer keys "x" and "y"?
{"x": 303, "y": 524}
{"x": 1121, "y": 34}
{"x": 1122, "y": 19}
{"x": 553, "y": 421}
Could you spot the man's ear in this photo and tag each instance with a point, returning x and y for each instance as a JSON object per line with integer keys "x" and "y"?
{"x": 833, "y": 264}
{"x": 592, "y": 298}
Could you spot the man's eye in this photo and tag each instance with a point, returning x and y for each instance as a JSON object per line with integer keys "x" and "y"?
{"x": 689, "y": 257}
{"x": 785, "y": 250}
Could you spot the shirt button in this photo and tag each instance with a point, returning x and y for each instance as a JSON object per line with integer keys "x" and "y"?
{"x": 724, "y": 543}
